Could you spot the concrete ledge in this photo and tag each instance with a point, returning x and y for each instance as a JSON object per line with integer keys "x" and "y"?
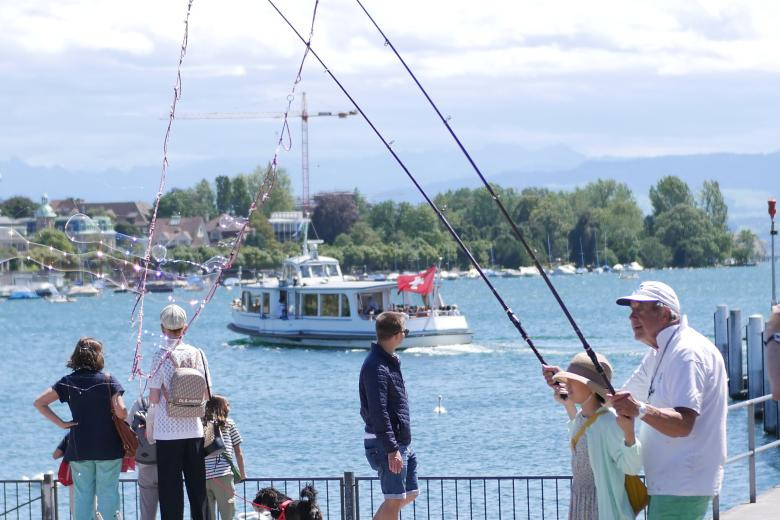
{"x": 767, "y": 506}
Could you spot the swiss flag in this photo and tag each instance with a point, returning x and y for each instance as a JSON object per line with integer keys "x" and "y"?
{"x": 421, "y": 283}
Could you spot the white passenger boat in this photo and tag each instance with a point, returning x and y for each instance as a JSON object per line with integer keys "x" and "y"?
{"x": 312, "y": 305}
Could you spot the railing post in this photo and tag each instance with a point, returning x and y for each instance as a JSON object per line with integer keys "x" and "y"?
{"x": 752, "y": 450}
{"x": 349, "y": 495}
{"x": 716, "y": 507}
{"x": 755, "y": 358}
{"x": 735, "y": 354}
{"x": 770, "y": 407}
{"x": 721, "y": 319}
{"x": 47, "y": 496}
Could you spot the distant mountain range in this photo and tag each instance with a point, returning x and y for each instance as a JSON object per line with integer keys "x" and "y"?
{"x": 747, "y": 180}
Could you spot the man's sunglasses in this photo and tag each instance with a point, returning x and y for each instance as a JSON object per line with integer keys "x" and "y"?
{"x": 404, "y": 331}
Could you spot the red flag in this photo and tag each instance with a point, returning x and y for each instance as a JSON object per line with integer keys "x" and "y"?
{"x": 421, "y": 283}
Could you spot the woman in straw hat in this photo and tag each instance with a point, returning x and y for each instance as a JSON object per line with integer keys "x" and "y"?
{"x": 604, "y": 448}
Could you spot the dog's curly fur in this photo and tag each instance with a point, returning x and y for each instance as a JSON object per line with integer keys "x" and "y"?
{"x": 304, "y": 509}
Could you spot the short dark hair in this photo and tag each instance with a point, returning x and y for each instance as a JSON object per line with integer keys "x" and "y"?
{"x": 388, "y": 324}
{"x": 88, "y": 354}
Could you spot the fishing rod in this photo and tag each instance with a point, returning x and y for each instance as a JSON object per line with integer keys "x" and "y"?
{"x": 516, "y": 230}
{"x": 510, "y": 314}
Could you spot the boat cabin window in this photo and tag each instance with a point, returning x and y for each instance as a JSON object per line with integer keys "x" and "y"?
{"x": 254, "y": 303}
{"x": 266, "y": 303}
{"x": 309, "y": 305}
{"x": 329, "y": 305}
{"x": 345, "y": 306}
{"x": 370, "y": 303}
{"x": 317, "y": 270}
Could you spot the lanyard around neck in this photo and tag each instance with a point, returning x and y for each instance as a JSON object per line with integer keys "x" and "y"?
{"x": 651, "y": 389}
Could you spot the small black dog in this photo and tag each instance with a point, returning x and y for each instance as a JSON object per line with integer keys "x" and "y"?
{"x": 283, "y": 507}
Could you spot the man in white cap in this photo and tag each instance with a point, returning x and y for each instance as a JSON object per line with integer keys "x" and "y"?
{"x": 679, "y": 392}
{"x": 178, "y": 436}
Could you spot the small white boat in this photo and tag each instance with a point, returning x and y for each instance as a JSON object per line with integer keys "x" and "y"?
{"x": 529, "y": 271}
{"x": 618, "y": 268}
{"x": 565, "y": 269}
{"x": 511, "y": 273}
{"x": 473, "y": 273}
{"x": 313, "y": 305}
{"x": 83, "y": 290}
{"x": 635, "y": 266}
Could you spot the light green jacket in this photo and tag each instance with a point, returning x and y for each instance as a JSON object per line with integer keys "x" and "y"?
{"x": 611, "y": 460}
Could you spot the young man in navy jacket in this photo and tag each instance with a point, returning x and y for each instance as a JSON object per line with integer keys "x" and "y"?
{"x": 384, "y": 407}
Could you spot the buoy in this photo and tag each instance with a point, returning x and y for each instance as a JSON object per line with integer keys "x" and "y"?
{"x": 439, "y": 408}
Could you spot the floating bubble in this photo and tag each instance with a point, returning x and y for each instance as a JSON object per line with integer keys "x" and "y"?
{"x": 159, "y": 252}
{"x": 215, "y": 264}
{"x": 231, "y": 223}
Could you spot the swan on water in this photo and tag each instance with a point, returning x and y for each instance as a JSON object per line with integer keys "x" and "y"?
{"x": 439, "y": 408}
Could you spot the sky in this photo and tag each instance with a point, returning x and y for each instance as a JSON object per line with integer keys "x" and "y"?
{"x": 85, "y": 85}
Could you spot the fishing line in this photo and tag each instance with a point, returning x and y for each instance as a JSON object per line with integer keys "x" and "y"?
{"x": 511, "y": 315}
{"x": 502, "y": 208}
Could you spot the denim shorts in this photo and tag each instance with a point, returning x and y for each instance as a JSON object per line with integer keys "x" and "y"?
{"x": 394, "y": 485}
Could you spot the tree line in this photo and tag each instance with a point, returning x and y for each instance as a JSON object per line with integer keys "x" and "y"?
{"x": 597, "y": 224}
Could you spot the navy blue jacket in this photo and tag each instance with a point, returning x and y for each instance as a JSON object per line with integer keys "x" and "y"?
{"x": 384, "y": 405}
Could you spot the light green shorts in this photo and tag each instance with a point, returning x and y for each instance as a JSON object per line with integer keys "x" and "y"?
{"x": 668, "y": 507}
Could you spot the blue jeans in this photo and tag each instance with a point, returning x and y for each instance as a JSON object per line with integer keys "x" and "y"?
{"x": 394, "y": 485}
{"x": 96, "y": 478}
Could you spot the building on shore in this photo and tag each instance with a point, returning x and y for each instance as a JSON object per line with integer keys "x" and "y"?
{"x": 288, "y": 225}
{"x": 181, "y": 231}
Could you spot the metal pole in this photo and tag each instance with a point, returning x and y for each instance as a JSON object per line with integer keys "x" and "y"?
{"x": 772, "y": 232}
{"x": 752, "y": 451}
{"x": 734, "y": 368}
{"x": 349, "y": 495}
{"x": 47, "y": 507}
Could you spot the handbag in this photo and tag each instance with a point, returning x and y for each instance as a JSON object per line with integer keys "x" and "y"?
{"x": 126, "y": 434}
{"x": 213, "y": 443}
{"x": 637, "y": 493}
{"x": 635, "y": 488}
{"x": 64, "y": 476}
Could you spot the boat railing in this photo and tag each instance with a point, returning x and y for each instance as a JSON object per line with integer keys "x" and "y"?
{"x": 752, "y": 450}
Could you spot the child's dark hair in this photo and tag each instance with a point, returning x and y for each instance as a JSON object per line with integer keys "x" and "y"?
{"x": 388, "y": 324}
{"x": 88, "y": 354}
{"x": 217, "y": 410}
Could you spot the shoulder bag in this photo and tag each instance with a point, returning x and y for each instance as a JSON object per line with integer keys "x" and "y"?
{"x": 126, "y": 434}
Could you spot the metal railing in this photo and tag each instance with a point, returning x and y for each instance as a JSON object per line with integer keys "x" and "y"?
{"x": 751, "y": 452}
{"x": 469, "y": 498}
{"x": 21, "y": 499}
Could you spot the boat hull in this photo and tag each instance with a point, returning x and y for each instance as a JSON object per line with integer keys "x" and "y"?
{"x": 424, "y": 332}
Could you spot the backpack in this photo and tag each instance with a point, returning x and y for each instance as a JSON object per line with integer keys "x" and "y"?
{"x": 187, "y": 389}
{"x": 146, "y": 453}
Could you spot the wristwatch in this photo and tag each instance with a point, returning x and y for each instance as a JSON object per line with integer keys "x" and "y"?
{"x": 642, "y": 409}
{"x": 774, "y": 337}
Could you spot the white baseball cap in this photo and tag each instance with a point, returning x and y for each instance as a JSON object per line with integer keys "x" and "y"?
{"x": 173, "y": 317}
{"x": 653, "y": 292}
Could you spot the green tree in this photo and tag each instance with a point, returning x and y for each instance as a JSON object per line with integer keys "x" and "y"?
{"x": 281, "y": 196}
{"x": 714, "y": 205}
{"x": 175, "y": 202}
{"x": 653, "y": 253}
{"x": 669, "y": 192}
{"x": 18, "y": 207}
{"x": 745, "y": 250}
{"x": 262, "y": 235}
{"x": 334, "y": 214}
{"x": 688, "y": 232}
{"x": 223, "y": 197}
{"x": 240, "y": 197}
{"x": 203, "y": 203}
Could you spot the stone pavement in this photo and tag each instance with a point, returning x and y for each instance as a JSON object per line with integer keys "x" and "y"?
{"x": 767, "y": 506}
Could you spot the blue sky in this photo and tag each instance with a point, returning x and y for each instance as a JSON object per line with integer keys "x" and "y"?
{"x": 84, "y": 83}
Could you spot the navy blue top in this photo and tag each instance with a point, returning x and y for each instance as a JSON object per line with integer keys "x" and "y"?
{"x": 95, "y": 437}
{"x": 384, "y": 405}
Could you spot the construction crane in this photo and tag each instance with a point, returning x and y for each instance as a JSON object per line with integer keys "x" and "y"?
{"x": 303, "y": 114}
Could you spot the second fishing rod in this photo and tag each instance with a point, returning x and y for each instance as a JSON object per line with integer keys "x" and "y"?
{"x": 515, "y": 229}
{"x": 510, "y": 314}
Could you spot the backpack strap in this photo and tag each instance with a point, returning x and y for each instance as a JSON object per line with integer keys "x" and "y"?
{"x": 205, "y": 373}
{"x": 588, "y": 423}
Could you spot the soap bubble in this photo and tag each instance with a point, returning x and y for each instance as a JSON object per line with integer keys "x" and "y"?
{"x": 215, "y": 264}
{"x": 231, "y": 223}
{"x": 159, "y": 252}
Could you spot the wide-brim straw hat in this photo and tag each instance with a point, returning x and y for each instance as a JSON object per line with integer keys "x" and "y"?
{"x": 582, "y": 369}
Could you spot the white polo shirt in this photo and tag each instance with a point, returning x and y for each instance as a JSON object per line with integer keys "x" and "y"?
{"x": 686, "y": 371}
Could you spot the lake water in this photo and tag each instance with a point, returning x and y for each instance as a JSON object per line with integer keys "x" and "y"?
{"x": 298, "y": 410}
